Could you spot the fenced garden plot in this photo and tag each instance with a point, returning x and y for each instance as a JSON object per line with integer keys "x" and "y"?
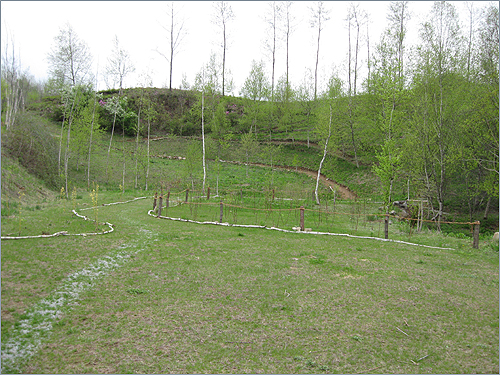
{"x": 272, "y": 208}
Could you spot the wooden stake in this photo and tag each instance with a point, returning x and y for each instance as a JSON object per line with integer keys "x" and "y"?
{"x": 302, "y": 227}
{"x": 187, "y": 195}
{"x": 160, "y": 204}
{"x": 475, "y": 242}
{"x": 221, "y": 211}
{"x": 386, "y": 227}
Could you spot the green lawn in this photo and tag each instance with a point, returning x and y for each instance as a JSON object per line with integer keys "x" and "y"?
{"x": 189, "y": 298}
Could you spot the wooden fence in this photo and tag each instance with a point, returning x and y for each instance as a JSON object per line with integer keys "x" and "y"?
{"x": 357, "y": 212}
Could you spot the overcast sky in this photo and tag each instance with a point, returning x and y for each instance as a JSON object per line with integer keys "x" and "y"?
{"x": 140, "y": 27}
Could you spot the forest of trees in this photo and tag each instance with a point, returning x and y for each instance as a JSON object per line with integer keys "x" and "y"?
{"x": 425, "y": 114}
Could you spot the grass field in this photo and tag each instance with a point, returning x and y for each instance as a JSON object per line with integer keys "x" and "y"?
{"x": 162, "y": 296}
{"x": 158, "y": 296}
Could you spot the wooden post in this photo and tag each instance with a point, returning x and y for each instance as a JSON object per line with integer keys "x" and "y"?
{"x": 160, "y": 205}
{"x": 273, "y": 194}
{"x": 221, "y": 211}
{"x": 475, "y": 241}
{"x": 386, "y": 226}
{"x": 208, "y": 193}
{"x": 168, "y": 199}
{"x": 154, "y": 201}
{"x": 187, "y": 195}
{"x": 302, "y": 227}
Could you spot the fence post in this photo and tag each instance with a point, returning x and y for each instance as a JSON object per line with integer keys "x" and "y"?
{"x": 302, "y": 227}
{"x": 208, "y": 193}
{"x": 221, "y": 211}
{"x": 160, "y": 203}
{"x": 475, "y": 241}
{"x": 187, "y": 195}
{"x": 386, "y": 226}
{"x": 168, "y": 199}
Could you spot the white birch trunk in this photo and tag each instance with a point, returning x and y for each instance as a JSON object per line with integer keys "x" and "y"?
{"x": 324, "y": 156}
{"x": 90, "y": 144}
{"x": 203, "y": 132}
{"x": 147, "y": 168}
{"x": 137, "y": 146}
{"x": 110, "y": 141}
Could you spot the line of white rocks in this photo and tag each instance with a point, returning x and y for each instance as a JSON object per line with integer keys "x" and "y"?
{"x": 151, "y": 213}
{"x": 28, "y": 333}
{"x": 65, "y": 233}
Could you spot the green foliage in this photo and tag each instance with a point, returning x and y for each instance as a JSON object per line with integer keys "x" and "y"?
{"x": 28, "y": 142}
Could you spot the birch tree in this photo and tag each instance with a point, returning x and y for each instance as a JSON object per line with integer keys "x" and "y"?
{"x": 288, "y": 29}
{"x": 114, "y": 106}
{"x": 202, "y": 85}
{"x": 69, "y": 59}
{"x": 119, "y": 66}
{"x": 387, "y": 85}
{"x": 223, "y": 15}
{"x": 77, "y": 98}
{"x": 437, "y": 99}
{"x": 355, "y": 20}
{"x": 319, "y": 15}
{"x": 327, "y": 115}
{"x": 175, "y": 34}
{"x": 254, "y": 90}
{"x": 12, "y": 88}
{"x": 272, "y": 20}
{"x": 93, "y": 125}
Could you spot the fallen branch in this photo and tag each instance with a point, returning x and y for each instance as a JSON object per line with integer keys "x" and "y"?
{"x": 402, "y": 331}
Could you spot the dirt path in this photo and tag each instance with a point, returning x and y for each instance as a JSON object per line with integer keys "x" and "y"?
{"x": 343, "y": 190}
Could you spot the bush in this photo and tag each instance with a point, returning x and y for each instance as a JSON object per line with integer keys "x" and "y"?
{"x": 35, "y": 149}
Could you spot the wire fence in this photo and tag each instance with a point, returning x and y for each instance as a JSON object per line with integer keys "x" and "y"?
{"x": 297, "y": 210}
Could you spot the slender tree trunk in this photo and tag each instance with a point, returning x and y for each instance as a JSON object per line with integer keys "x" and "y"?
{"x": 223, "y": 64}
{"x": 62, "y": 132}
{"x": 137, "y": 147}
{"x": 66, "y": 155}
{"x": 90, "y": 143}
{"x": 147, "y": 169}
{"x": 109, "y": 148}
{"x": 123, "y": 143}
{"x": 317, "y": 61}
{"x": 487, "y": 209}
{"x": 171, "y": 46}
{"x": 66, "y": 159}
{"x": 324, "y": 156}
{"x": 203, "y": 136}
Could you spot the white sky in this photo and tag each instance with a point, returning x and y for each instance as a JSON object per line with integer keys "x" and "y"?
{"x": 139, "y": 26}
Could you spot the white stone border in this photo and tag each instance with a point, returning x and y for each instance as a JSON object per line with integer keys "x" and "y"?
{"x": 150, "y": 213}
{"x": 28, "y": 333}
{"x": 65, "y": 233}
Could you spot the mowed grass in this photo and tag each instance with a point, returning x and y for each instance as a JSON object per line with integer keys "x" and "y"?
{"x": 210, "y": 299}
